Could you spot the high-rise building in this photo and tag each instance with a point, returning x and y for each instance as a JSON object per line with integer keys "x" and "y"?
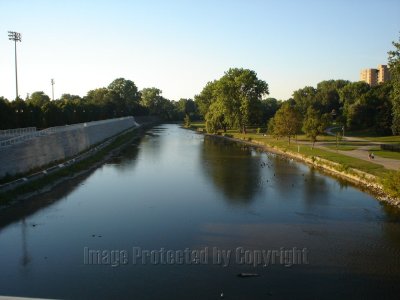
{"x": 383, "y": 73}
{"x": 369, "y": 76}
{"x": 375, "y": 76}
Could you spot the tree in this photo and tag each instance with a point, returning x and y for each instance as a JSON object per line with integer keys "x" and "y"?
{"x": 269, "y": 107}
{"x": 394, "y": 67}
{"x": 314, "y": 124}
{"x": 125, "y": 95}
{"x": 52, "y": 115}
{"x": 187, "y": 121}
{"x": 237, "y": 95}
{"x": 304, "y": 98}
{"x": 215, "y": 118}
{"x": 38, "y": 99}
{"x": 125, "y": 89}
{"x": 241, "y": 92}
{"x": 6, "y": 114}
{"x": 383, "y": 108}
{"x": 328, "y": 95}
{"x": 205, "y": 98}
{"x": 286, "y": 123}
{"x": 152, "y": 99}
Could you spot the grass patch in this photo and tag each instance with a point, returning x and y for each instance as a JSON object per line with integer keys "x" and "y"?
{"x": 386, "y": 153}
{"x": 345, "y": 161}
{"x": 320, "y": 138}
{"x": 342, "y": 147}
{"x": 196, "y": 125}
{"x": 391, "y": 183}
{"x": 392, "y": 139}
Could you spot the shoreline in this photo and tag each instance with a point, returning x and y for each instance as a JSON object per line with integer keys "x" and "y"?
{"x": 367, "y": 182}
{"x": 19, "y": 197}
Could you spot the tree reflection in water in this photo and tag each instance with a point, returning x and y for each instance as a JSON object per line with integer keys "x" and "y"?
{"x": 232, "y": 169}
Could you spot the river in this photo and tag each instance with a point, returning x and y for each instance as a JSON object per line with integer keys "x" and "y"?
{"x": 179, "y": 216}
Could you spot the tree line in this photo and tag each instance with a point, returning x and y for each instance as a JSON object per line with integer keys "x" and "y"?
{"x": 238, "y": 100}
{"x": 120, "y": 98}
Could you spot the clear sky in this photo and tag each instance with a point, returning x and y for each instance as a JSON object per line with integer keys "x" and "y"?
{"x": 178, "y": 46}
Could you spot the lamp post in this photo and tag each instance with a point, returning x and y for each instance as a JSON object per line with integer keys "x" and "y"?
{"x": 52, "y": 87}
{"x": 16, "y": 37}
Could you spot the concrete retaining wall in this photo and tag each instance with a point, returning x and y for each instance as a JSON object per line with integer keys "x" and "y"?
{"x": 59, "y": 145}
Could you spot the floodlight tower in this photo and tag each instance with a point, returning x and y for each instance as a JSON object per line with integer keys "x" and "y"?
{"x": 52, "y": 87}
{"x": 16, "y": 37}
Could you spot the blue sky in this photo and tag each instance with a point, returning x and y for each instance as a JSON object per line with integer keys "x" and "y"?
{"x": 178, "y": 46}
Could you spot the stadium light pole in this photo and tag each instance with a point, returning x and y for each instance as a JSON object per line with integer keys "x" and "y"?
{"x": 52, "y": 88}
{"x": 16, "y": 37}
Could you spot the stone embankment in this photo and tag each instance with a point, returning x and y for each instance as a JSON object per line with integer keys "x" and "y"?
{"x": 33, "y": 150}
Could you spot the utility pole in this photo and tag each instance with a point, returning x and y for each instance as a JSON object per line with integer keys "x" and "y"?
{"x": 52, "y": 87}
{"x": 16, "y": 37}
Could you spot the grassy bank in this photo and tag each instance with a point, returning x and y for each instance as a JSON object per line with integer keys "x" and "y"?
{"x": 306, "y": 150}
{"x": 352, "y": 168}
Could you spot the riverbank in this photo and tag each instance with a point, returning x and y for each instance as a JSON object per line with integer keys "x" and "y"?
{"x": 367, "y": 181}
{"x": 71, "y": 169}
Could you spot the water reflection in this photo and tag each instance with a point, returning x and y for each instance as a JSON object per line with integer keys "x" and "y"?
{"x": 127, "y": 158}
{"x": 179, "y": 190}
{"x": 231, "y": 168}
{"x": 26, "y": 208}
{"x": 26, "y": 258}
{"x": 312, "y": 181}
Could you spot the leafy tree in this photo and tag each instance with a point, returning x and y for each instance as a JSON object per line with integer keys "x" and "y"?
{"x": 286, "y": 123}
{"x": 215, "y": 118}
{"x": 187, "y": 121}
{"x": 125, "y": 89}
{"x": 383, "y": 108}
{"x": 352, "y": 91}
{"x": 152, "y": 99}
{"x": 187, "y": 106}
{"x": 69, "y": 97}
{"x": 269, "y": 107}
{"x": 52, "y": 115}
{"x": 241, "y": 92}
{"x": 394, "y": 67}
{"x": 314, "y": 124}
{"x": 6, "y": 114}
{"x": 205, "y": 98}
{"x": 304, "y": 98}
{"x": 328, "y": 95}
{"x": 20, "y": 113}
{"x": 38, "y": 99}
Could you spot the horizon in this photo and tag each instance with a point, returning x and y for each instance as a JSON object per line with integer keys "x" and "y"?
{"x": 179, "y": 46}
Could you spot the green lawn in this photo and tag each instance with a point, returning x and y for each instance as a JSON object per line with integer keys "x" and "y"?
{"x": 385, "y": 139}
{"x": 342, "y": 147}
{"x": 320, "y": 138}
{"x": 386, "y": 153}
{"x": 283, "y": 144}
{"x": 346, "y": 161}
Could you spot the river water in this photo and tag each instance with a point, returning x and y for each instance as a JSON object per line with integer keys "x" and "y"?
{"x": 160, "y": 221}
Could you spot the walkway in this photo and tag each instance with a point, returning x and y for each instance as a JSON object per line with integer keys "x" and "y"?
{"x": 362, "y": 152}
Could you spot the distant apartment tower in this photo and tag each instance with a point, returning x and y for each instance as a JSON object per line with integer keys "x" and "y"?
{"x": 375, "y": 76}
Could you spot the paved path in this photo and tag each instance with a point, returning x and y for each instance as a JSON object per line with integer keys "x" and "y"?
{"x": 362, "y": 152}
